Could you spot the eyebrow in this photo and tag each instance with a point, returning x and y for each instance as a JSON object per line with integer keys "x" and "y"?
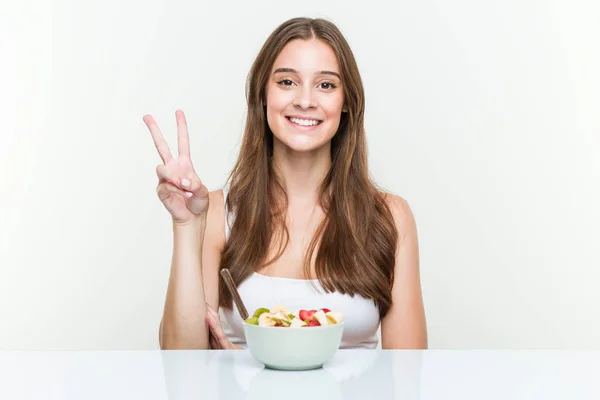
{"x": 293, "y": 71}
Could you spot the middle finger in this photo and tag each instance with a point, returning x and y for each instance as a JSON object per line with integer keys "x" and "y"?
{"x": 183, "y": 138}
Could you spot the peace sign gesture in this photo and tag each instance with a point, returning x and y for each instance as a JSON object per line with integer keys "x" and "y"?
{"x": 179, "y": 187}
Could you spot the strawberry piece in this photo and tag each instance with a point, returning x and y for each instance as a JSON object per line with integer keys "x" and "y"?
{"x": 306, "y": 315}
{"x": 314, "y": 323}
{"x": 325, "y": 310}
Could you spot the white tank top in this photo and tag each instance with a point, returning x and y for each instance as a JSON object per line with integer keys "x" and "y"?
{"x": 361, "y": 315}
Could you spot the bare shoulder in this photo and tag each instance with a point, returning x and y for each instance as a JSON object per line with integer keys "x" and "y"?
{"x": 404, "y": 326}
{"x": 402, "y": 213}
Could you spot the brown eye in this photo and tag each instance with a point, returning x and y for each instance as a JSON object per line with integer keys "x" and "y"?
{"x": 328, "y": 86}
{"x": 286, "y": 82}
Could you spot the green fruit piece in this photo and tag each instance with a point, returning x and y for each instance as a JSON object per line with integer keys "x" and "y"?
{"x": 282, "y": 321}
{"x": 252, "y": 320}
{"x": 291, "y": 316}
{"x": 260, "y": 311}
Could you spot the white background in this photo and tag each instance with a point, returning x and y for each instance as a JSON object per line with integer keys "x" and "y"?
{"x": 483, "y": 115}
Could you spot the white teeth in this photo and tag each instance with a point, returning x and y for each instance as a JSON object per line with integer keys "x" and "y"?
{"x": 304, "y": 122}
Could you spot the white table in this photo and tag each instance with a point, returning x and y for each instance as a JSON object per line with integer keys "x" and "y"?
{"x": 352, "y": 374}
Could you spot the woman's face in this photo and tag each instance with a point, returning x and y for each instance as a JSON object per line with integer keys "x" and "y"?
{"x": 304, "y": 95}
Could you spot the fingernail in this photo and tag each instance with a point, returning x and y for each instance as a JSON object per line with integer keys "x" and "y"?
{"x": 189, "y": 194}
{"x": 185, "y": 182}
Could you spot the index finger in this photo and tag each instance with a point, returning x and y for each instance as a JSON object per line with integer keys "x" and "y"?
{"x": 183, "y": 138}
{"x": 159, "y": 140}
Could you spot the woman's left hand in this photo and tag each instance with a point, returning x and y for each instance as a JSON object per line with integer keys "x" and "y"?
{"x": 218, "y": 339}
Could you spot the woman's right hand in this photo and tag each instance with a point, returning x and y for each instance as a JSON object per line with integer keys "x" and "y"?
{"x": 179, "y": 187}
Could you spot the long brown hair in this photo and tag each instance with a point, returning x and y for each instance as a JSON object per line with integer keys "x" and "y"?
{"x": 356, "y": 241}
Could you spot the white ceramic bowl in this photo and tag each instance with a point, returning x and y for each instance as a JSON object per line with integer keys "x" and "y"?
{"x": 293, "y": 349}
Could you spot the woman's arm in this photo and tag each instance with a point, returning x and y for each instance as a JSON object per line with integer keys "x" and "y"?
{"x": 404, "y": 326}
{"x": 193, "y": 280}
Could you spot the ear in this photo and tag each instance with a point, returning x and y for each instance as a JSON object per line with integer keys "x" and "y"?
{"x": 344, "y": 109}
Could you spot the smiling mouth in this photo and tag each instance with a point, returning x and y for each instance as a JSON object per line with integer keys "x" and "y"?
{"x": 304, "y": 122}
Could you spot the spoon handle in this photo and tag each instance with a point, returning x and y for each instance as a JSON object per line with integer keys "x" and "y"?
{"x": 234, "y": 292}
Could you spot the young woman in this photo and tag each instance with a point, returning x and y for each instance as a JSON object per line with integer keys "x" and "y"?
{"x": 299, "y": 222}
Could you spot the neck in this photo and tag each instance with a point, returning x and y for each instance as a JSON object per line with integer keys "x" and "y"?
{"x": 301, "y": 173}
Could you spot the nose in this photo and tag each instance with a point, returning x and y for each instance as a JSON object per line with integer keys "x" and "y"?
{"x": 304, "y": 99}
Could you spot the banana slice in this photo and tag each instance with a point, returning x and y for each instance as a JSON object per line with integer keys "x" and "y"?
{"x": 281, "y": 314}
{"x": 280, "y": 309}
{"x": 335, "y": 317}
{"x": 297, "y": 323}
{"x": 266, "y": 319}
{"x": 320, "y": 316}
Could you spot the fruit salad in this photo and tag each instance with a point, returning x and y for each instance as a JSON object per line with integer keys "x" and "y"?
{"x": 280, "y": 316}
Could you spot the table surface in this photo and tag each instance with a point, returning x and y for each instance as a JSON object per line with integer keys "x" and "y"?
{"x": 351, "y": 374}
